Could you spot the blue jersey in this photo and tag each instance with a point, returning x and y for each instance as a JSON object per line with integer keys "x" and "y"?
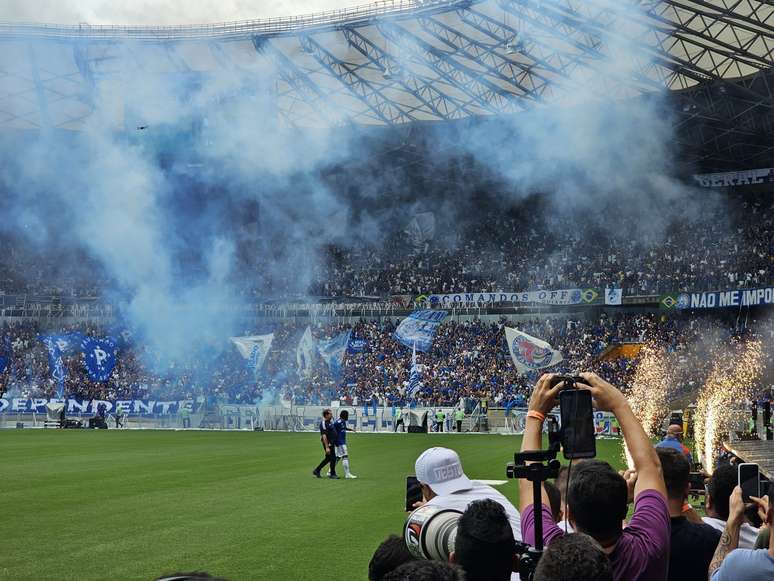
{"x": 341, "y": 431}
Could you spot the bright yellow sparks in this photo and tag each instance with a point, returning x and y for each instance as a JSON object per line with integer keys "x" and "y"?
{"x": 648, "y": 395}
{"x": 734, "y": 375}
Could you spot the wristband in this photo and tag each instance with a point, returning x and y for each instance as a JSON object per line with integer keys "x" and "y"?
{"x": 540, "y": 416}
{"x": 686, "y": 507}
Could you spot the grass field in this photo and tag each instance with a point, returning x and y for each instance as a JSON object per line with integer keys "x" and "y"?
{"x": 80, "y": 504}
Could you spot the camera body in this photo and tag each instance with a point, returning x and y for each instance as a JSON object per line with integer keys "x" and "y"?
{"x": 431, "y": 531}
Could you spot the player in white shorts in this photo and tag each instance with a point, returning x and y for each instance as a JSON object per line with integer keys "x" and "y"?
{"x": 341, "y": 428}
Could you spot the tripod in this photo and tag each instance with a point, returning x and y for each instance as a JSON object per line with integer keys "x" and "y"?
{"x": 537, "y": 466}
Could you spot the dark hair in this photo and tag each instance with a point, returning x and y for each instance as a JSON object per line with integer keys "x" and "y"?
{"x": 574, "y": 557}
{"x": 484, "y": 545}
{"x": 676, "y": 470}
{"x": 327, "y": 412}
{"x": 554, "y": 499}
{"x": 597, "y": 499}
{"x": 191, "y": 576}
{"x": 426, "y": 571}
{"x": 344, "y": 415}
{"x": 390, "y": 555}
{"x": 561, "y": 479}
{"x": 720, "y": 487}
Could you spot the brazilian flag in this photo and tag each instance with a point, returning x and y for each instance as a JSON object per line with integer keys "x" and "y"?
{"x": 668, "y": 302}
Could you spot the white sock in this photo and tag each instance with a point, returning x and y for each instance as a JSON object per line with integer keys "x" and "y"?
{"x": 345, "y": 461}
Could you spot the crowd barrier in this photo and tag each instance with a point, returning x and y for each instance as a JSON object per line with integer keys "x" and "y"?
{"x": 290, "y": 418}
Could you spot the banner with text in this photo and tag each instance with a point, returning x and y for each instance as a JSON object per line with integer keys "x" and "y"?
{"x": 88, "y": 407}
{"x": 736, "y": 178}
{"x": 719, "y": 299}
{"x": 543, "y": 297}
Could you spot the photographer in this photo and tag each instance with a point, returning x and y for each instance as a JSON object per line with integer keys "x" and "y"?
{"x": 445, "y": 485}
{"x": 597, "y": 494}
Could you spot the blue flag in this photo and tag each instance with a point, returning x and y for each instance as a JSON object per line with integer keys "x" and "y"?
{"x": 67, "y": 343}
{"x": 122, "y": 336}
{"x": 100, "y": 357}
{"x": 55, "y": 363}
{"x": 332, "y": 351}
{"x": 414, "y": 376}
{"x": 418, "y": 329}
{"x": 6, "y": 352}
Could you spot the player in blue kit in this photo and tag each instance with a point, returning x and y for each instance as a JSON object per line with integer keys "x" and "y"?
{"x": 341, "y": 428}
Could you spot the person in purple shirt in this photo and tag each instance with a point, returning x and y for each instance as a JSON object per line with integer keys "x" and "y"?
{"x": 597, "y": 496}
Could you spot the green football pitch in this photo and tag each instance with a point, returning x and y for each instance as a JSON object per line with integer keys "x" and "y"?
{"x": 80, "y": 504}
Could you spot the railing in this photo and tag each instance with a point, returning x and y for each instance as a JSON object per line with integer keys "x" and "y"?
{"x": 276, "y": 25}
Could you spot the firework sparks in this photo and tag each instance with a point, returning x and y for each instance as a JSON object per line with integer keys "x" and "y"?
{"x": 731, "y": 381}
{"x": 649, "y": 392}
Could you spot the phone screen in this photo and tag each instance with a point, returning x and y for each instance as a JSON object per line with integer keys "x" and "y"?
{"x": 578, "y": 424}
{"x": 749, "y": 481}
{"x": 413, "y": 492}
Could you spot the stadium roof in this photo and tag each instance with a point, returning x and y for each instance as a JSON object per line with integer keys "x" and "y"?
{"x": 402, "y": 61}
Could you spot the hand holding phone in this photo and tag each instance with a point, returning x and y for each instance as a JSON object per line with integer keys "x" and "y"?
{"x": 749, "y": 481}
{"x": 578, "y": 437}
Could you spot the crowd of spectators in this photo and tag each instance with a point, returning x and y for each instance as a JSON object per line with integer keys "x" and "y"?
{"x": 603, "y": 525}
{"x": 528, "y": 251}
{"x": 529, "y": 248}
{"x": 467, "y": 359}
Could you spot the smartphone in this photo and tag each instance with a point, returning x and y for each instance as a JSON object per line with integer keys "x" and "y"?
{"x": 578, "y": 438}
{"x": 749, "y": 481}
{"x": 413, "y": 492}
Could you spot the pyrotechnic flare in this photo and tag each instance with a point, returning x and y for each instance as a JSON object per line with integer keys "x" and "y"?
{"x": 731, "y": 382}
{"x": 649, "y": 392}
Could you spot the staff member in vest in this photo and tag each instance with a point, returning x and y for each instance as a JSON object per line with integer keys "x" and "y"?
{"x": 459, "y": 415}
{"x": 440, "y": 420}
{"x": 119, "y": 416}
{"x": 328, "y": 439}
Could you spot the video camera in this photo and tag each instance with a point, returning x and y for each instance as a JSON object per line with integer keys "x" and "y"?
{"x": 430, "y": 531}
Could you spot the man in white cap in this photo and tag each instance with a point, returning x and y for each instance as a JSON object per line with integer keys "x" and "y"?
{"x": 445, "y": 485}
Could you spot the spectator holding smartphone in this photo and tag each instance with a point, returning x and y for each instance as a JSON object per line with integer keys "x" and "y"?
{"x": 597, "y": 494}
{"x": 731, "y": 563}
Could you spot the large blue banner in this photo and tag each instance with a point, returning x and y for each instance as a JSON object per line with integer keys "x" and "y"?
{"x": 67, "y": 343}
{"x": 418, "y": 329}
{"x": 332, "y": 351}
{"x": 56, "y": 365}
{"x": 88, "y": 407}
{"x": 100, "y": 357}
{"x": 6, "y": 352}
{"x": 733, "y": 298}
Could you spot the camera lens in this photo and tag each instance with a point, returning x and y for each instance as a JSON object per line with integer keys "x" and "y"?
{"x": 430, "y": 532}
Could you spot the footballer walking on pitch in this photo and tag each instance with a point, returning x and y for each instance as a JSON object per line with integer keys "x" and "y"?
{"x": 341, "y": 428}
{"x": 328, "y": 439}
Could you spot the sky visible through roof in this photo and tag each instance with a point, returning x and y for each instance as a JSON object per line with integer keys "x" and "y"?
{"x": 160, "y": 12}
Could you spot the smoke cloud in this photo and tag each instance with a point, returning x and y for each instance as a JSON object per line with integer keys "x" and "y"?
{"x": 182, "y": 221}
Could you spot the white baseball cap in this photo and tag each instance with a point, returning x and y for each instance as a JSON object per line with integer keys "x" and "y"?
{"x": 441, "y": 470}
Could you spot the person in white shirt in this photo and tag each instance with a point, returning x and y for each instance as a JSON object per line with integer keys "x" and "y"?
{"x": 445, "y": 485}
{"x": 719, "y": 490}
